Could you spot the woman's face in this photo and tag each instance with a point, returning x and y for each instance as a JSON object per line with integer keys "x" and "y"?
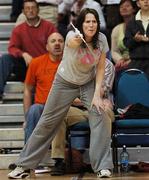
{"x": 89, "y": 26}
{"x": 143, "y": 4}
{"x": 126, "y": 9}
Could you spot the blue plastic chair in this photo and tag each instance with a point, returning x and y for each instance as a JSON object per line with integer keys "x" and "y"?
{"x": 79, "y": 135}
{"x": 132, "y": 87}
{"x": 78, "y": 138}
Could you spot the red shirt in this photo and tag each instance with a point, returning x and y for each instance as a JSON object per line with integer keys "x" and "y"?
{"x": 33, "y": 40}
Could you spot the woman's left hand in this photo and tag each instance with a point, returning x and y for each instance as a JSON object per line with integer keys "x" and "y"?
{"x": 98, "y": 103}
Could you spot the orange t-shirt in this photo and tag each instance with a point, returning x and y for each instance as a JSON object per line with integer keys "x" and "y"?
{"x": 40, "y": 74}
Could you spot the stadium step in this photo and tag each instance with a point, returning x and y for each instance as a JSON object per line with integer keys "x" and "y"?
{"x": 11, "y": 109}
{"x": 5, "y": 12}
{"x": 11, "y": 119}
{"x": 13, "y": 92}
{"x": 5, "y": 30}
{"x": 14, "y": 87}
{"x": 11, "y": 134}
{"x": 5, "y": 2}
{"x": 3, "y": 46}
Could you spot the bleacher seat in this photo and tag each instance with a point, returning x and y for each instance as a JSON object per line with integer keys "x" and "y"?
{"x": 3, "y": 47}
{"x": 5, "y": 2}
{"x": 5, "y": 30}
{"x": 5, "y": 13}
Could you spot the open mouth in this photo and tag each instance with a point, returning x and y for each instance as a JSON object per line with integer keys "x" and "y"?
{"x": 57, "y": 49}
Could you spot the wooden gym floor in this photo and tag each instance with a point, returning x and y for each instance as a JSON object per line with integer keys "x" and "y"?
{"x": 86, "y": 176}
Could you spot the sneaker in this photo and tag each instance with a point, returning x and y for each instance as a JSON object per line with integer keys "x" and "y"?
{"x": 105, "y": 173}
{"x": 58, "y": 169}
{"x": 18, "y": 173}
{"x": 42, "y": 169}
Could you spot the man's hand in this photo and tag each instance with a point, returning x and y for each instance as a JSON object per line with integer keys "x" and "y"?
{"x": 122, "y": 63}
{"x": 77, "y": 102}
{"x": 27, "y": 57}
{"x": 139, "y": 37}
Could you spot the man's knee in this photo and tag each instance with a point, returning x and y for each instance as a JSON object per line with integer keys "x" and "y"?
{"x": 110, "y": 114}
{"x": 35, "y": 109}
{"x": 6, "y": 58}
{"x": 75, "y": 115}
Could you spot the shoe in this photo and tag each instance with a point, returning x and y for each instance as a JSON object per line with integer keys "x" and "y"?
{"x": 42, "y": 169}
{"x": 19, "y": 173}
{"x": 58, "y": 169}
{"x": 105, "y": 173}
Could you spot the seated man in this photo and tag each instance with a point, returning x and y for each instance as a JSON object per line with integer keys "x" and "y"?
{"x": 39, "y": 78}
{"x": 48, "y": 11}
{"x": 27, "y": 40}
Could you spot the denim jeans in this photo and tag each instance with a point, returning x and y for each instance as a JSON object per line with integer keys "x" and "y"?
{"x": 6, "y": 67}
{"x": 32, "y": 118}
{"x": 9, "y": 64}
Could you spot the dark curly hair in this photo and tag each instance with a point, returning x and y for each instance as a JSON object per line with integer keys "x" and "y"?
{"x": 133, "y": 4}
{"x": 81, "y": 19}
{"x": 31, "y": 1}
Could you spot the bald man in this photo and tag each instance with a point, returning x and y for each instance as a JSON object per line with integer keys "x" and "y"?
{"x": 40, "y": 76}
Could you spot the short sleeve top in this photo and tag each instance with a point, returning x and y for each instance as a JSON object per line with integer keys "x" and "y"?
{"x": 78, "y": 65}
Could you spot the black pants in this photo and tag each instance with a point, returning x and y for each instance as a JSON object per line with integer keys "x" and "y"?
{"x": 16, "y": 9}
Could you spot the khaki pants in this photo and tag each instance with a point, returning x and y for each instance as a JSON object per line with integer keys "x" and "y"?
{"x": 74, "y": 116}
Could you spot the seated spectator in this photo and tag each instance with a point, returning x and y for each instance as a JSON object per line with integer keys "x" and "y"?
{"x": 48, "y": 11}
{"x": 137, "y": 38}
{"x": 27, "y": 40}
{"x": 120, "y": 54}
{"x": 39, "y": 78}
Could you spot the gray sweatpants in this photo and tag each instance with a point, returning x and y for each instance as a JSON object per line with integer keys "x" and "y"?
{"x": 59, "y": 100}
